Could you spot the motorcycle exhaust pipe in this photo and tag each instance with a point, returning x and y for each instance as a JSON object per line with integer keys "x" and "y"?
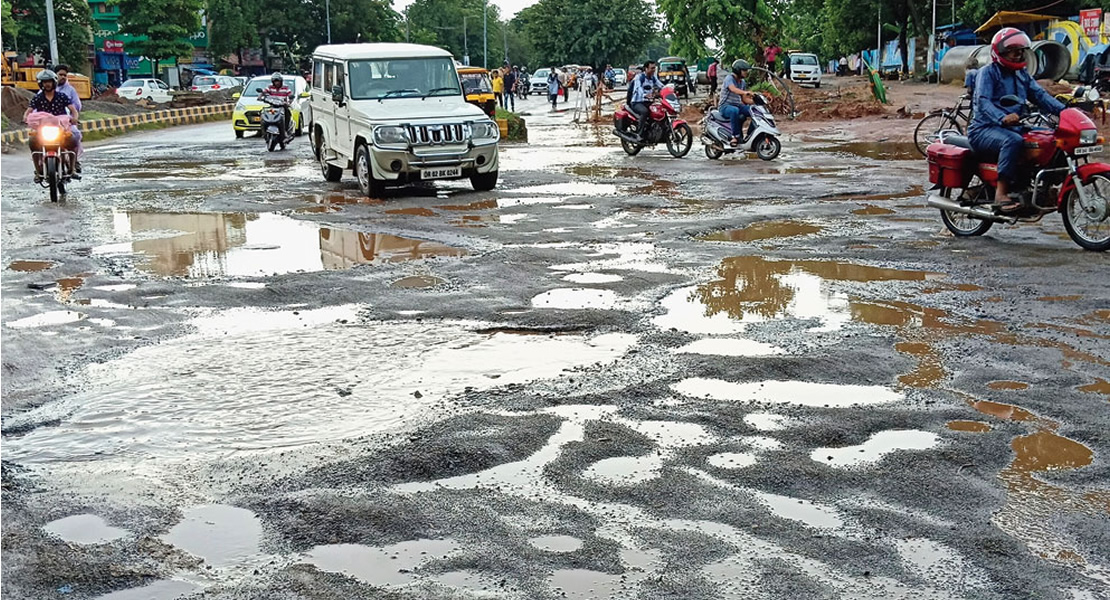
{"x": 942, "y": 203}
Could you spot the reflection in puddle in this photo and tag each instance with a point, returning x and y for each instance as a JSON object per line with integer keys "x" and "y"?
{"x": 385, "y": 566}
{"x": 222, "y": 535}
{"x": 84, "y": 529}
{"x": 416, "y": 211}
{"x": 763, "y": 230}
{"x": 166, "y": 589}
{"x": 875, "y": 448}
{"x": 592, "y": 278}
{"x": 877, "y": 150}
{"x": 1008, "y": 385}
{"x": 245, "y": 244}
{"x": 576, "y": 298}
{"x": 972, "y": 426}
{"x": 30, "y": 266}
{"x": 54, "y": 317}
{"x": 787, "y": 392}
{"x": 571, "y": 188}
{"x": 625, "y": 470}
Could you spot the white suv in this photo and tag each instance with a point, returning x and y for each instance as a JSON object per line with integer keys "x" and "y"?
{"x": 396, "y": 114}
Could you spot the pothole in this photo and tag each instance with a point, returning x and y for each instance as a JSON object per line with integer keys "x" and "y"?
{"x": 763, "y": 230}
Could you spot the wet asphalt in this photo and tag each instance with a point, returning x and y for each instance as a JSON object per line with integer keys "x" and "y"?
{"x": 611, "y": 377}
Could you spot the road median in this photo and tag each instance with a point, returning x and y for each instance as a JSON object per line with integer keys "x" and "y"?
{"x": 101, "y": 128}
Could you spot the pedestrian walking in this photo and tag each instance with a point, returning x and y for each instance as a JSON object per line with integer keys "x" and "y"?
{"x": 510, "y": 90}
{"x": 770, "y": 54}
{"x": 711, "y": 74}
{"x": 498, "y": 88}
{"x": 553, "y": 88}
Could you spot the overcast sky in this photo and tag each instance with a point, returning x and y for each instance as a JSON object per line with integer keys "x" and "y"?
{"x": 509, "y": 8}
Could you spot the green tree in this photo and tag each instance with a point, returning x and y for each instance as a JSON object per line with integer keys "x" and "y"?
{"x": 445, "y": 19}
{"x": 166, "y": 25}
{"x": 72, "y": 20}
{"x": 303, "y": 25}
{"x": 740, "y": 29}
{"x": 233, "y": 26}
{"x": 9, "y": 25}
{"x": 594, "y": 32}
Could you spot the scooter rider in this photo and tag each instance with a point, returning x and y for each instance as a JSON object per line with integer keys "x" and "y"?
{"x": 735, "y": 99}
{"x": 993, "y": 127}
{"x": 277, "y": 88}
{"x": 644, "y": 88}
{"x": 50, "y": 100}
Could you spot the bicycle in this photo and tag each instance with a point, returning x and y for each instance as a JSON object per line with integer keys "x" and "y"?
{"x": 930, "y": 128}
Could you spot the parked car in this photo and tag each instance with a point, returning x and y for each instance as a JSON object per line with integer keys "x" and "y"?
{"x": 620, "y": 77}
{"x": 395, "y": 114}
{"x": 211, "y": 83}
{"x": 539, "y": 81}
{"x": 137, "y": 89}
{"x": 805, "y": 69}
{"x": 247, "y": 115}
{"x": 672, "y": 70}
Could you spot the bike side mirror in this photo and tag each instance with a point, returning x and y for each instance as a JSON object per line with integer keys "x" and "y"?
{"x": 337, "y": 94}
{"x": 1010, "y": 101}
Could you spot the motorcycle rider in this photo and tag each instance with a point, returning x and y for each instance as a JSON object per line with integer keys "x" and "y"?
{"x": 277, "y": 89}
{"x": 644, "y": 88}
{"x": 50, "y": 100}
{"x": 64, "y": 87}
{"x": 735, "y": 99}
{"x": 992, "y": 127}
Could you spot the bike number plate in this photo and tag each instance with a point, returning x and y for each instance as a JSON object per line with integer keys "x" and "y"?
{"x": 1083, "y": 150}
{"x": 441, "y": 173}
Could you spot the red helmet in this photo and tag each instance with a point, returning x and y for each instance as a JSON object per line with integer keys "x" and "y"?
{"x": 1009, "y": 38}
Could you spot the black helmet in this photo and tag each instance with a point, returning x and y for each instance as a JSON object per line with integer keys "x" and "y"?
{"x": 740, "y": 65}
{"x": 47, "y": 75}
{"x": 277, "y": 78}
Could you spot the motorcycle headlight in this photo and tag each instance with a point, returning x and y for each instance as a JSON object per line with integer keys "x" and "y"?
{"x": 391, "y": 135}
{"x": 1088, "y": 136}
{"x": 50, "y": 133}
{"x": 485, "y": 131}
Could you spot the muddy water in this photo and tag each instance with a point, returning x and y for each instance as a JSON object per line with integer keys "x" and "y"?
{"x": 970, "y": 426}
{"x": 871, "y": 209}
{"x": 1008, "y": 385}
{"x": 763, "y": 230}
{"x": 417, "y": 281}
{"x": 250, "y": 244}
{"x": 31, "y": 266}
{"x": 1100, "y": 386}
{"x": 877, "y": 150}
{"x": 929, "y": 370}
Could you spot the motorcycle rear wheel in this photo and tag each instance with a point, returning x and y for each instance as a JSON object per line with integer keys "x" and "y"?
{"x": 713, "y": 152}
{"x": 1090, "y": 229}
{"x": 631, "y": 148}
{"x": 962, "y": 225}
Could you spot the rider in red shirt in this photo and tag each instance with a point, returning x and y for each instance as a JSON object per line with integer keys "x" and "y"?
{"x": 277, "y": 89}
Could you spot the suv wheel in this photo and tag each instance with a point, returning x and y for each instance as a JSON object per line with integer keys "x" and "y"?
{"x": 365, "y": 174}
{"x": 483, "y": 182}
{"x": 331, "y": 173}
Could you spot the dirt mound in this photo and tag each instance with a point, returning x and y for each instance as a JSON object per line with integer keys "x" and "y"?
{"x": 846, "y": 102}
{"x": 14, "y": 102}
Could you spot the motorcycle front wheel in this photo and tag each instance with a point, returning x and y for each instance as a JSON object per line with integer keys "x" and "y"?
{"x": 1089, "y": 227}
{"x": 53, "y": 180}
{"x": 962, "y": 225}
{"x": 680, "y": 141}
{"x": 767, "y": 147}
{"x": 631, "y": 148}
{"x": 272, "y": 141}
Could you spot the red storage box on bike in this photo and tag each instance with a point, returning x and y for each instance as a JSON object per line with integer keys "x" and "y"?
{"x": 950, "y": 166}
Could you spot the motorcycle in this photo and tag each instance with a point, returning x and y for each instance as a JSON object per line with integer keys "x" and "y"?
{"x": 1063, "y": 179}
{"x": 762, "y": 136}
{"x": 662, "y": 126}
{"x": 273, "y": 120}
{"x": 54, "y": 162}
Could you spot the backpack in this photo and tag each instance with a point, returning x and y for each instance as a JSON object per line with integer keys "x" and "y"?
{"x": 631, "y": 87}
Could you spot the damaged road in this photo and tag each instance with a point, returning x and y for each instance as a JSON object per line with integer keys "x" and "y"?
{"x": 611, "y": 377}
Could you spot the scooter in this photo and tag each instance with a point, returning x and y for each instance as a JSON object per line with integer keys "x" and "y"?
{"x": 54, "y": 161}
{"x": 663, "y": 126}
{"x": 273, "y": 119}
{"x": 1061, "y": 179}
{"x": 762, "y": 136}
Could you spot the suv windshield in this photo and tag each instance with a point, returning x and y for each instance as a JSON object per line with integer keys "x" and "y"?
{"x": 402, "y": 77}
{"x": 803, "y": 59}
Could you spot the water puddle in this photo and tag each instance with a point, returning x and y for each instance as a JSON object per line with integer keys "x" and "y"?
{"x": 763, "y": 230}
{"x": 418, "y": 282}
{"x": 1008, "y": 385}
{"x": 66, "y": 287}
{"x": 732, "y": 460}
{"x": 556, "y": 543}
{"x": 477, "y": 205}
{"x": 765, "y": 421}
{"x": 1070, "y": 298}
{"x": 876, "y": 150}
{"x": 802, "y": 393}
{"x": 593, "y": 278}
{"x": 871, "y": 209}
{"x": 570, "y": 188}
{"x": 84, "y": 529}
{"x": 1007, "y": 412}
{"x": 936, "y": 562}
{"x": 625, "y": 470}
{"x": 875, "y": 448}
{"x": 929, "y": 370}
{"x": 576, "y": 299}
{"x": 222, "y": 535}
{"x": 969, "y": 426}
{"x": 415, "y": 211}
{"x": 46, "y": 319}
{"x": 31, "y": 266}
{"x": 729, "y": 347}
{"x": 584, "y": 584}
{"x": 255, "y": 244}
{"x": 392, "y": 565}
{"x": 166, "y": 589}
{"x": 1100, "y": 386}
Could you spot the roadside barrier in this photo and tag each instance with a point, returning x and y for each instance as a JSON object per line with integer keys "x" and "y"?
{"x": 175, "y": 116}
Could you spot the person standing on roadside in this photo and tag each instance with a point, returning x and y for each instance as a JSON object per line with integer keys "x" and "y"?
{"x": 553, "y": 88}
{"x": 498, "y": 88}
{"x": 510, "y": 91}
{"x": 770, "y": 54}
{"x": 711, "y": 74}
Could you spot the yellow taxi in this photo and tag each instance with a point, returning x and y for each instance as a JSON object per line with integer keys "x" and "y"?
{"x": 247, "y": 115}
{"x": 478, "y": 88}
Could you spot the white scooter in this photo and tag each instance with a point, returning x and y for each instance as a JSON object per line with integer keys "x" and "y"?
{"x": 762, "y": 137}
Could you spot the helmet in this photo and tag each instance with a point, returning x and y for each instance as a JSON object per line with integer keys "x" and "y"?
{"x": 277, "y": 78}
{"x": 46, "y": 75}
{"x": 1009, "y": 38}
{"x": 740, "y": 65}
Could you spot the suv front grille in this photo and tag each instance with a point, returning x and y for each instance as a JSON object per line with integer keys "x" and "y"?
{"x": 436, "y": 134}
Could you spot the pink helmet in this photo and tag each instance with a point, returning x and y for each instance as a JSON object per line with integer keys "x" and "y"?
{"x": 1009, "y": 38}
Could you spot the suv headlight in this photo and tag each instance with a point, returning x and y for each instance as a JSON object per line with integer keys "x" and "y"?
{"x": 1088, "y": 136}
{"x": 390, "y": 135}
{"x": 484, "y": 132}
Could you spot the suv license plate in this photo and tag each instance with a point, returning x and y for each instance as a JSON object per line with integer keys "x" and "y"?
{"x": 1087, "y": 150}
{"x": 441, "y": 173}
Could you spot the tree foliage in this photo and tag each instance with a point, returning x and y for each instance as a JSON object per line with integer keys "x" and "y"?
{"x": 72, "y": 20}
{"x": 233, "y": 26}
{"x": 740, "y": 29}
{"x": 443, "y": 19}
{"x": 166, "y": 25}
{"x": 594, "y": 32}
{"x": 303, "y": 25}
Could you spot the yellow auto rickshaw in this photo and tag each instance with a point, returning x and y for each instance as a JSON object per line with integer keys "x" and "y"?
{"x": 478, "y": 88}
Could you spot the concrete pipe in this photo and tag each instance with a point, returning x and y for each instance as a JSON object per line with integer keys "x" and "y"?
{"x": 1053, "y": 60}
{"x": 954, "y": 62}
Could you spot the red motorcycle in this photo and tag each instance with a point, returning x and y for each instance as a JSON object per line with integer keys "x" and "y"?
{"x": 1062, "y": 178}
{"x": 662, "y": 126}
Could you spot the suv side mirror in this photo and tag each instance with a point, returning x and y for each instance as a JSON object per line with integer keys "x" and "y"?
{"x": 337, "y": 94}
{"x": 305, "y": 94}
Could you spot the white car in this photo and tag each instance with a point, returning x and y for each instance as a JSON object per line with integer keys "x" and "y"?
{"x": 805, "y": 69}
{"x": 137, "y": 89}
{"x": 212, "y": 83}
{"x": 247, "y": 114}
{"x": 396, "y": 114}
{"x": 620, "y": 77}
{"x": 539, "y": 81}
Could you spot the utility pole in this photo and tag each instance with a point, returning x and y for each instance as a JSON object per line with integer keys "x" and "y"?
{"x": 485, "y": 34}
{"x": 406, "y": 25}
{"x": 505, "y": 39}
{"x": 327, "y": 17}
{"x": 933, "y": 40}
{"x": 878, "y": 66}
{"x": 52, "y": 32}
{"x": 466, "y": 46}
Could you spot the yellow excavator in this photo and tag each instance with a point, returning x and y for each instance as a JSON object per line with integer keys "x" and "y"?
{"x": 15, "y": 75}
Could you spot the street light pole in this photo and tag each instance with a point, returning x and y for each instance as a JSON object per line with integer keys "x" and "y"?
{"x": 466, "y": 45}
{"x": 327, "y": 17}
{"x": 52, "y": 32}
{"x": 485, "y": 34}
{"x": 933, "y": 40}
